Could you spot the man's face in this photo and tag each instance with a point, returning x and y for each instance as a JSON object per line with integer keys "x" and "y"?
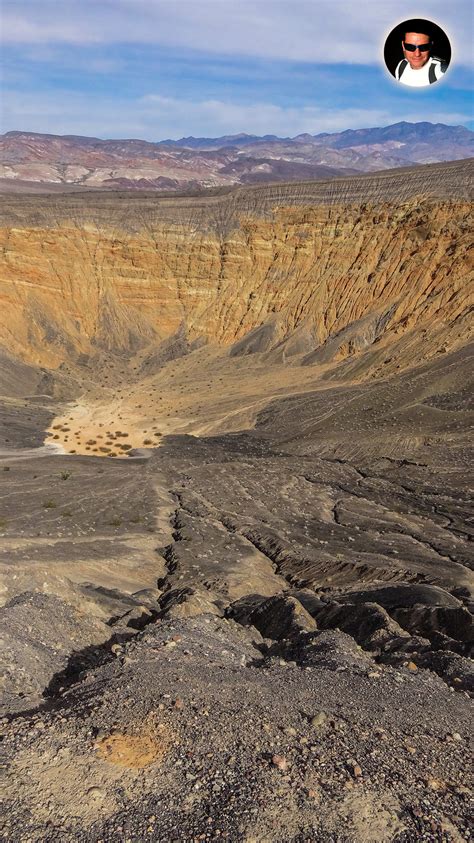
{"x": 417, "y": 58}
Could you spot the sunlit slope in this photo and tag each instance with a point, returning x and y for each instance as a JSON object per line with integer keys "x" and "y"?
{"x": 307, "y": 269}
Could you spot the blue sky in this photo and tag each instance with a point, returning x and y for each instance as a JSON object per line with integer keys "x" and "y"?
{"x": 157, "y": 69}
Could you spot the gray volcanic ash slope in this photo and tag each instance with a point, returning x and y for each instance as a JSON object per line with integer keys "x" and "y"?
{"x": 236, "y": 561}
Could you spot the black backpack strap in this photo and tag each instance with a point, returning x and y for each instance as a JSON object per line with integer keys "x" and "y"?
{"x": 443, "y": 66}
{"x": 402, "y": 67}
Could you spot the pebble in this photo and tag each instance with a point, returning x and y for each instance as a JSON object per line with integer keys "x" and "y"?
{"x": 435, "y": 784}
{"x": 356, "y": 771}
{"x": 280, "y": 762}
{"x": 319, "y": 719}
{"x": 95, "y": 793}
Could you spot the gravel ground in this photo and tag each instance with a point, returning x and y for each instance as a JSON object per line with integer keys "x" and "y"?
{"x": 192, "y": 731}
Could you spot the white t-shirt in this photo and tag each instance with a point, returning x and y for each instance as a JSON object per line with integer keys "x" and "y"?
{"x": 418, "y": 78}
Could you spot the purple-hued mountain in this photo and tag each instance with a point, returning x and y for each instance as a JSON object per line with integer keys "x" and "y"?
{"x": 405, "y": 132}
{"x": 32, "y": 159}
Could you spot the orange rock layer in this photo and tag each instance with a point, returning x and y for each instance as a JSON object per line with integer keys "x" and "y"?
{"x": 71, "y": 288}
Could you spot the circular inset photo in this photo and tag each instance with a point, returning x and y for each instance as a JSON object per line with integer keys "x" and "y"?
{"x": 417, "y": 53}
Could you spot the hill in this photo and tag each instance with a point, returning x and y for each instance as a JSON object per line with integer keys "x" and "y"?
{"x": 197, "y": 163}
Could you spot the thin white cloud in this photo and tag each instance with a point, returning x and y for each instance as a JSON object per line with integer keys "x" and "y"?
{"x": 156, "y": 117}
{"x": 321, "y": 31}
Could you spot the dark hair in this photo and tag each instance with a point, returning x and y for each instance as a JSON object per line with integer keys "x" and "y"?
{"x": 417, "y": 25}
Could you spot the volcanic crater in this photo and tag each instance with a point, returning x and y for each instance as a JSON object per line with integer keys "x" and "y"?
{"x": 234, "y": 449}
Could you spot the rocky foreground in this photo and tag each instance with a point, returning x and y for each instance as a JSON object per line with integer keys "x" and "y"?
{"x": 202, "y": 729}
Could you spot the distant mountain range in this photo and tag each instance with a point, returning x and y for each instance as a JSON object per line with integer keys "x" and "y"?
{"x": 31, "y": 159}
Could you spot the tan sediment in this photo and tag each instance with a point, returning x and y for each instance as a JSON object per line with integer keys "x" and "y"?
{"x": 204, "y": 393}
{"x": 134, "y": 751}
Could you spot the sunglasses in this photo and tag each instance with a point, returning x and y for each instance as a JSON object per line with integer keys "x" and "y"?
{"x": 412, "y": 47}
